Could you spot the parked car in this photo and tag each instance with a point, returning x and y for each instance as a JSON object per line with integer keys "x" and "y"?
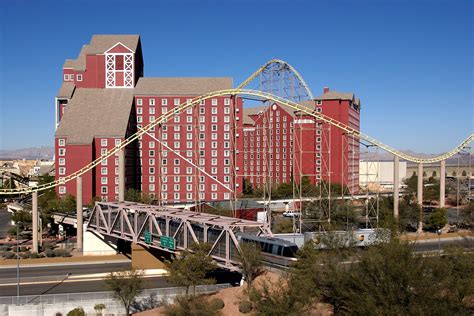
{"x": 291, "y": 214}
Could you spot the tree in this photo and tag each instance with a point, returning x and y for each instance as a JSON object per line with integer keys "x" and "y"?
{"x": 437, "y": 219}
{"x": 125, "y": 285}
{"x": 99, "y": 308}
{"x": 190, "y": 267}
{"x": 251, "y": 259}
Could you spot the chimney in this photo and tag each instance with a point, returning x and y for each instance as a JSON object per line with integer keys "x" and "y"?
{"x": 325, "y": 90}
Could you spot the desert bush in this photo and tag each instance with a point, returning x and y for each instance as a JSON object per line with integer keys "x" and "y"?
{"x": 78, "y": 311}
{"x": 217, "y": 303}
{"x": 245, "y": 307}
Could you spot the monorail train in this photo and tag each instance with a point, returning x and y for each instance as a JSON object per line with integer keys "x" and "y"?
{"x": 274, "y": 250}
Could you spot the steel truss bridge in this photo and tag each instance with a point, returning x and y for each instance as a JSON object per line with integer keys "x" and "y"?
{"x": 130, "y": 221}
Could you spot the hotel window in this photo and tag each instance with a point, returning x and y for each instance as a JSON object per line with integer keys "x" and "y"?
{"x": 189, "y": 179}
{"x": 226, "y": 110}
{"x": 176, "y": 196}
{"x": 164, "y": 110}
{"x": 319, "y": 102}
{"x": 214, "y": 110}
{"x": 318, "y": 161}
{"x": 176, "y": 102}
{"x": 214, "y": 196}
{"x": 164, "y": 195}
{"x": 319, "y": 109}
{"x": 202, "y": 119}
{"x": 226, "y": 170}
{"x": 151, "y": 153}
{"x": 79, "y": 77}
{"x": 151, "y": 170}
{"x": 176, "y": 135}
{"x": 318, "y": 139}
{"x": 189, "y": 145}
{"x": 139, "y": 101}
{"x": 214, "y": 187}
{"x": 164, "y": 102}
{"x": 189, "y": 170}
{"x": 151, "y": 144}
{"x": 176, "y": 178}
{"x": 214, "y": 102}
{"x": 226, "y": 127}
{"x": 103, "y": 190}
{"x": 176, "y": 119}
{"x": 62, "y": 190}
{"x": 214, "y": 119}
{"x": 226, "y": 119}
{"x": 62, "y": 161}
{"x": 189, "y": 110}
{"x": 177, "y": 145}
{"x": 151, "y": 102}
{"x": 152, "y": 110}
{"x": 151, "y": 161}
{"x": 151, "y": 187}
{"x": 140, "y": 111}
{"x": 62, "y": 171}
{"x": 139, "y": 120}
{"x": 104, "y": 162}
{"x": 103, "y": 171}
{"x": 103, "y": 180}
{"x": 103, "y": 142}
{"x": 202, "y": 110}
{"x": 151, "y": 179}
{"x": 213, "y": 144}
{"x": 164, "y": 187}
{"x": 189, "y": 196}
{"x": 61, "y": 142}
{"x": 226, "y": 101}
{"x": 214, "y": 136}
{"x": 189, "y": 119}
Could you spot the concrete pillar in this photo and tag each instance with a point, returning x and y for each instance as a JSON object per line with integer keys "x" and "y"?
{"x": 396, "y": 183}
{"x": 34, "y": 216}
{"x": 442, "y": 184}
{"x": 419, "y": 196}
{"x": 121, "y": 175}
{"x": 79, "y": 219}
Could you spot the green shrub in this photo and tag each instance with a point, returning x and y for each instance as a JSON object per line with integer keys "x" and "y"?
{"x": 25, "y": 255}
{"x": 5, "y": 248}
{"x": 23, "y": 249}
{"x": 78, "y": 311}
{"x": 62, "y": 253}
{"x": 33, "y": 255}
{"x": 9, "y": 255}
{"x": 245, "y": 307}
{"x": 49, "y": 253}
{"x": 217, "y": 303}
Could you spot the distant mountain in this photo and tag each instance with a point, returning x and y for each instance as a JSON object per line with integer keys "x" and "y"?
{"x": 43, "y": 152}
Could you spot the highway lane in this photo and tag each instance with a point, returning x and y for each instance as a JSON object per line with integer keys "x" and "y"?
{"x": 432, "y": 245}
{"x": 62, "y": 270}
{"x": 72, "y": 286}
{"x": 65, "y": 285}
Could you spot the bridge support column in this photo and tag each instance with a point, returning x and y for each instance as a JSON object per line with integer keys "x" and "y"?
{"x": 419, "y": 196}
{"x": 34, "y": 216}
{"x": 121, "y": 175}
{"x": 442, "y": 184}
{"x": 80, "y": 219}
{"x": 396, "y": 183}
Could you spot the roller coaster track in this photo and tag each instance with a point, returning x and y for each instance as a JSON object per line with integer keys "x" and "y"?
{"x": 264, "y": 96}
{"x": 283, "y": 64}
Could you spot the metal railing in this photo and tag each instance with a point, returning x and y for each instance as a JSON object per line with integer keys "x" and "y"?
{"x": 101, "y": 296}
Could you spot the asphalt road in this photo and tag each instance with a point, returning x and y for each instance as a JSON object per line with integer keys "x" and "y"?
{"x": 433, "y": 245}
{"x": 54, "y": 280}
{"x": 69, "y": 286}
{"x": 44, "y": 273}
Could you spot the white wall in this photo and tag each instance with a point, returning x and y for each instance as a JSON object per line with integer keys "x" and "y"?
{"x": 380, "y": 172}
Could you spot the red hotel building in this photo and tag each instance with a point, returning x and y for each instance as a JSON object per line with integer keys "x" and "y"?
{"x": 200, "y": 154}
{"x": 280, "y": 143}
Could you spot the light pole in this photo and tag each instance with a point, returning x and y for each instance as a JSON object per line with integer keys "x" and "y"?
{"x": 439, "y": 241}
{"x": 18, "y": 262}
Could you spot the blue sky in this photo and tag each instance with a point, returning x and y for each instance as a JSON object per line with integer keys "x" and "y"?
{"x": 410, "y": 62}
